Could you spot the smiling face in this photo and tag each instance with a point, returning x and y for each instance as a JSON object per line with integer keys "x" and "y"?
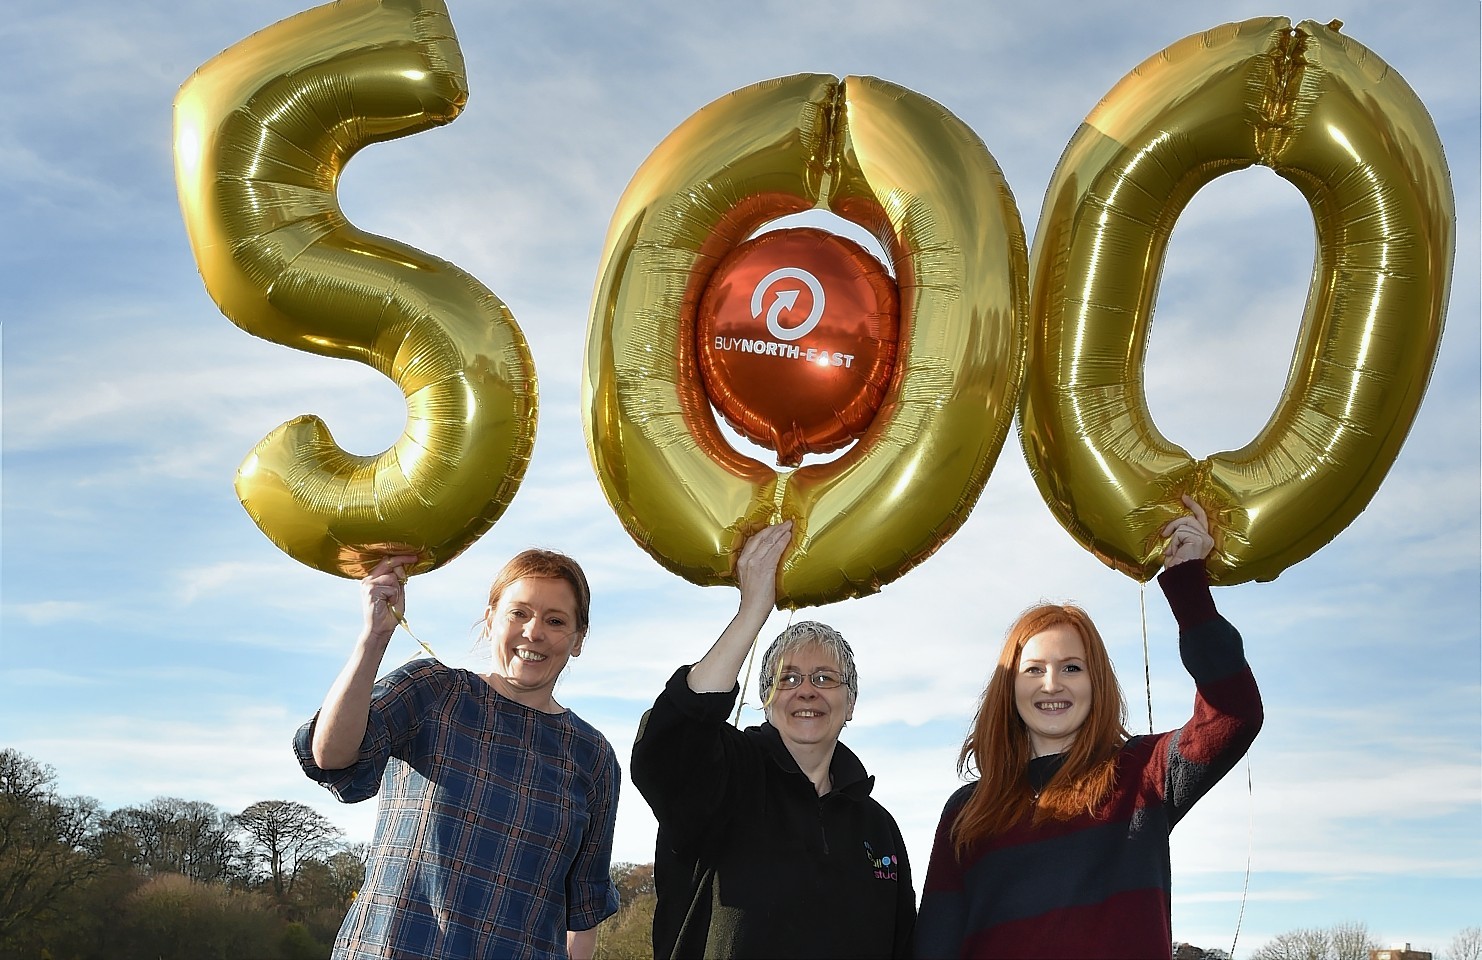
{"x": 532, "y": 634}
{"x": 806, "y": 715}
{"x": 1052, "y": 688}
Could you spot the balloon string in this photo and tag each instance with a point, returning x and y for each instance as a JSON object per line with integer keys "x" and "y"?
{"x": 1250, "y": 840}
{"x": 1147, "y": 670}
{"x": 741, "y": 702}
{"x": 750, "y": 657}
{"x": 405, "y": 626}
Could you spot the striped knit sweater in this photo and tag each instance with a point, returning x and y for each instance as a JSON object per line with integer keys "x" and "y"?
{"x": 1100, "y": 886}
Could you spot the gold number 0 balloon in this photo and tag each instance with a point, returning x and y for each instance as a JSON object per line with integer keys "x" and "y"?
{"x": 262, "y": 133}
{"x": 1329, "y": 116}
{"x": 907, "y": 170}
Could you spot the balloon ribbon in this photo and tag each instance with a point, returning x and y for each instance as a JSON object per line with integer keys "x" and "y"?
{"x": 407, "y": 627}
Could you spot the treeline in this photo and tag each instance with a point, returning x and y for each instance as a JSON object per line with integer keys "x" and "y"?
{"x": 1352, "y": 941}
{"x": 177, "y": 879}
{"x": 180, "y": 879}
{"x": 171, "y": 878}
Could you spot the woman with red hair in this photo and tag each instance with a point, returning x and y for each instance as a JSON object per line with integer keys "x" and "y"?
{"x": 1060, "y": 848}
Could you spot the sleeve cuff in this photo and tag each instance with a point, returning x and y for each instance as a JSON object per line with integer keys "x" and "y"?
{"x": 1186, "y": 586}
{"x": 359, "y": 781}
{"x": 699, "y": 706}
{"x": 303, "y": 749}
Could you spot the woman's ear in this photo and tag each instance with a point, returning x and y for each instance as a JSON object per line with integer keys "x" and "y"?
{"x": 581, "y": 639}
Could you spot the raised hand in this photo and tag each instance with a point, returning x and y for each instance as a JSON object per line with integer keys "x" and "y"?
{"x": 383, "y": 595}
{"x": 756, "y": 567}
{"x": 342, "y": 719}
{"x": 1188, "y": 536}
{"x": 756, "y": 575}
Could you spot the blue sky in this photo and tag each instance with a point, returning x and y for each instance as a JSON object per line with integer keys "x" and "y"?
{"x": 155, "y": 643}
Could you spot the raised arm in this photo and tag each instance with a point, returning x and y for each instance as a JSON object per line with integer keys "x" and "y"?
{"x": 687, "y": 761}
{"x": 756, "y": 575}
{"x": 1227, "y": 703}
{"x": 342, "y": 718}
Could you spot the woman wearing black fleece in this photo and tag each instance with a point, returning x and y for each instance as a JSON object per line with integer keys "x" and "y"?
{"x": 769, "y": 843}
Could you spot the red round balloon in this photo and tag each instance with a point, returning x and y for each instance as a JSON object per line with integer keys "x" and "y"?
{"x": 797, "y": 332}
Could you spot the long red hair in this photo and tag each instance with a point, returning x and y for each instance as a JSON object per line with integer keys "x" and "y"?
{"x": 997, "y": 749}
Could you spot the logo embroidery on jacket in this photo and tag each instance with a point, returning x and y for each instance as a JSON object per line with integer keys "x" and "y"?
{"x": 884, "y": 865}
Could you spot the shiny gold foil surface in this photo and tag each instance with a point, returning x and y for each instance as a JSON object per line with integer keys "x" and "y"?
{"x": 262, "y": 134}
{"x": 1327, "y": 114}
{"x": 924, "y": 185}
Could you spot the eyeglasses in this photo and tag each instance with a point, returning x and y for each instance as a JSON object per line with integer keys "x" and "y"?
{"x": 822, "y": 679}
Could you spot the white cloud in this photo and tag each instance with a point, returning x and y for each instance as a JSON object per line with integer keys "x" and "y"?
{"x": 54, "y": 611}
{"x": 41, "y": 677}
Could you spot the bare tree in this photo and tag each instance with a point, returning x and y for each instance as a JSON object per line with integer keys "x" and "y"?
{"x": 285, "y": 834}
{"x": 46, "y": 843}
{"x": 331, "y": 883}
{"x": 1466, "y": 945}
{"x": 1304, "y": 944}
{"x": 189, "y": 837}
{"x": 347, "y": 870}
{"x": 1341, "y": 941}
{"x": 1351, "y": 941}
{"x": 629, "y": 933}
{"x": 633, "y": 880}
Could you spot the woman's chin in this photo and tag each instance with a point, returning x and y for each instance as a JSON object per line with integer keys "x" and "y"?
{"x": 522, "y": 677}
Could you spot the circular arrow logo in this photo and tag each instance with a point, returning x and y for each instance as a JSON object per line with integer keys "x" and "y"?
{"x": 786, "y": 300}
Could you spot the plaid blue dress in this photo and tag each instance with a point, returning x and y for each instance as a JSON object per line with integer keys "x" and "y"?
{"x": 494, "y": 831}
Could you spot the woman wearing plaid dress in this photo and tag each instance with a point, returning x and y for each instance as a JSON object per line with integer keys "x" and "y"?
{"x": 497, "y": 804}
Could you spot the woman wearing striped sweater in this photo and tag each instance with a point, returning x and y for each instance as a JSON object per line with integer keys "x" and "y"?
{"x": 1060, "y": 848}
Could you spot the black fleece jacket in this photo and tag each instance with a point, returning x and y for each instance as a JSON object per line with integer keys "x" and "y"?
{"x": 750, "y": 861}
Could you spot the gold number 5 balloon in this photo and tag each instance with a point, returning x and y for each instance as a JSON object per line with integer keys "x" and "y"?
{"x": 924, "y": 185}
{"x": 262, "y": 133}
{"x": 1331, "y": 117}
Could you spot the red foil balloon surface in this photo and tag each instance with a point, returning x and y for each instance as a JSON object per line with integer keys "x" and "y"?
{"x": 797, "y": 335}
